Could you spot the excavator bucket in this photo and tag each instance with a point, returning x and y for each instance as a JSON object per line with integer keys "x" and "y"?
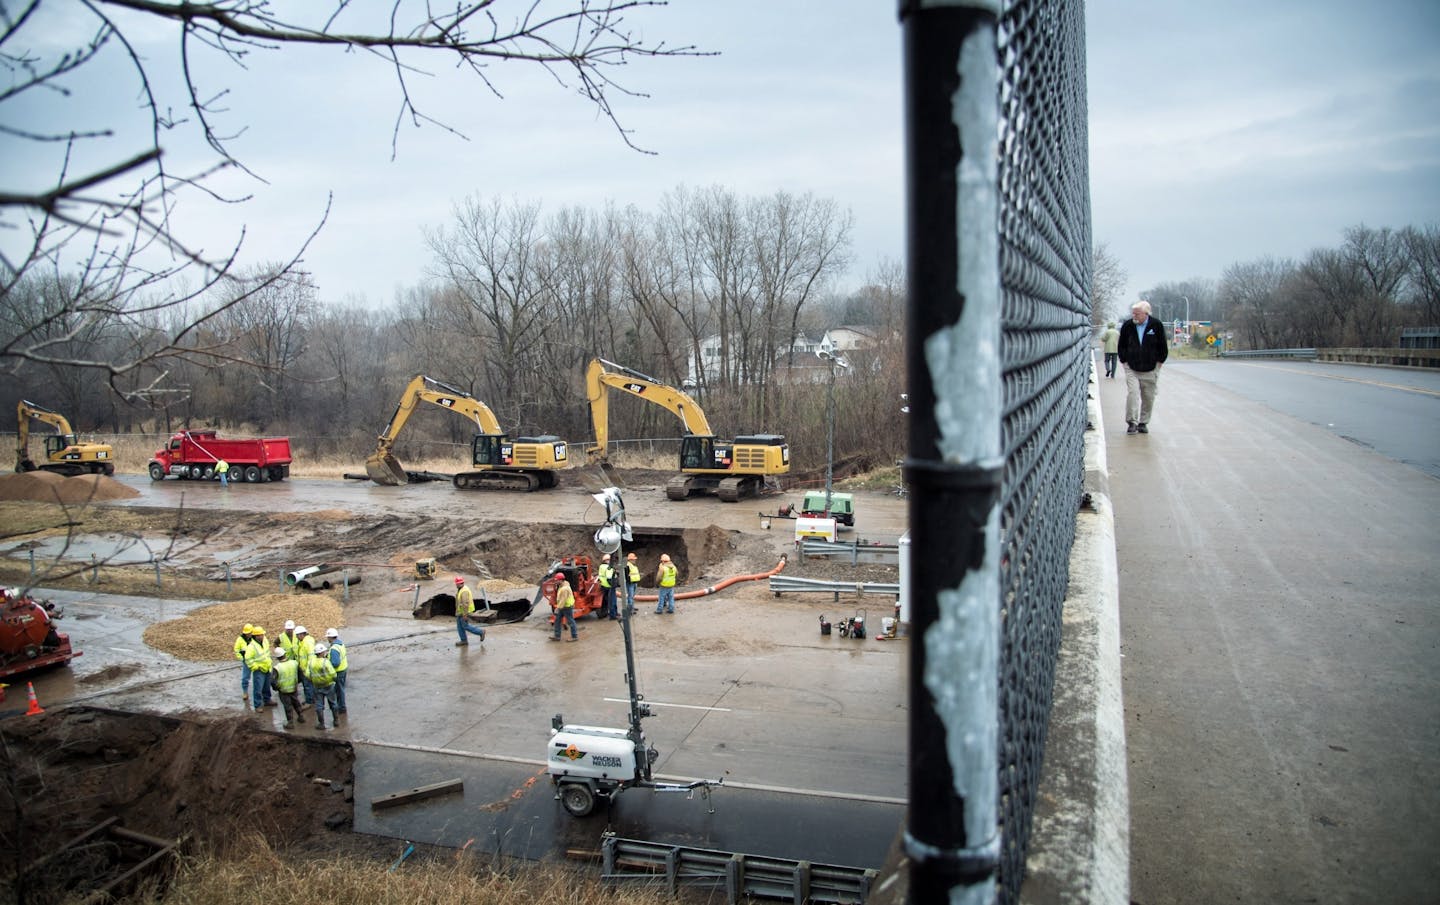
{"x": 384, "y": 468}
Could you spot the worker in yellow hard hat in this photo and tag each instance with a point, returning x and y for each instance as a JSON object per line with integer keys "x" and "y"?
{"x": 257, "y": 657}
{"x": 242, "y": 641}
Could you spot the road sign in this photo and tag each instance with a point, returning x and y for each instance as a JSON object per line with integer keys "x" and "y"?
{"x": 1210, "y": 340}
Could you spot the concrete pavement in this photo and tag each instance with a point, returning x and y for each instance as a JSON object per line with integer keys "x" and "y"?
{"x": 1278, "y": 608}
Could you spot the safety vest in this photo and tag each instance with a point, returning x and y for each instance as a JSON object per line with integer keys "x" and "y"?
{"x": 287, "y": 675}
{"x": 222, "y": 466}
{"x": 290, "y": 644}
{"x": 667, "y": 575}
{"x": 464, "y": 602}
{"x": 564, "y": 597}
{"x": 242, "y": 642}
{"x": 257, "y": 656}
{"x": 322, "y": 674}
{"x": 338, "y": 648}
{"x": 633, "y": 571}
{"x": 606, "y": 575}
{"x": 304, "y": 648}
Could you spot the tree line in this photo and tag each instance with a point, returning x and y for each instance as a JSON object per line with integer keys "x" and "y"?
{"x": 516, "y": 303}
{"x": 1359, "y": 295}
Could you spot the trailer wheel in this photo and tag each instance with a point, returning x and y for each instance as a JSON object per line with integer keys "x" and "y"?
{"x": 209, "y": 472}
{"x": 577, "y": 799}
{"x": 157, "y": 473}
{"x": 252, "y": 474}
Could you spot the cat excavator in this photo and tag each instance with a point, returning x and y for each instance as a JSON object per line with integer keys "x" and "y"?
{"x": 730, "y": 469}
{"x": 64, "y": 454}
{"x": 501, "y": 463}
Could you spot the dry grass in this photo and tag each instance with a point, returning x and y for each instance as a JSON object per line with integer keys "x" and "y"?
{"x": 255, "y": 872}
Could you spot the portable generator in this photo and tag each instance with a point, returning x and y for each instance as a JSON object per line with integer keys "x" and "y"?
{"x": 425, "y": 568}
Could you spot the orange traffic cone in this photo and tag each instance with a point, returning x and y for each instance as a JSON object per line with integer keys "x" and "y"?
{"x": 34, "y": 704}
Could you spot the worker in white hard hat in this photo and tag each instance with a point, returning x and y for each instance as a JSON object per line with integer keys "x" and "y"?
{"x": 304, "y": 650}
{"x": 290, "y": 641}
{"x": 665, "y": 577}
{"x": 340, "y": 659}
{"x": 607, "y": 577}
{"x": 322, "y": 677}
{"x": 287, "y": 685}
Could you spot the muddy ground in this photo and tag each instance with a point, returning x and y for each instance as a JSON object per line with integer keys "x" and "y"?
{"x": 208, "y": 780}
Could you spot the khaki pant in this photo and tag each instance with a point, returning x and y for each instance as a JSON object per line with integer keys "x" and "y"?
{"x": 1140, "y": 390}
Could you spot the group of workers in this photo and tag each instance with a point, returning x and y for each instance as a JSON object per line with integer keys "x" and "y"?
{"x": 609, "y": 579}
{"x": 297, "y": 665}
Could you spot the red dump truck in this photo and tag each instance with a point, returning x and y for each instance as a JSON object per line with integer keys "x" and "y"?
{"x": 191, "y": 455}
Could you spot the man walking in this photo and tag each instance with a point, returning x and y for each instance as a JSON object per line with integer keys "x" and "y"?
{"x": 665, "y": 578}
{"x": 1111, "y": 341}
{"x": 1142, "y": 349}
{"x": 464, "y": 606}
{"x": 564, "y": 610}
{"x": 606, "y": 577}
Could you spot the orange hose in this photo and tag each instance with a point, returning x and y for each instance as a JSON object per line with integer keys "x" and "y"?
{"x": 705, "y": 592}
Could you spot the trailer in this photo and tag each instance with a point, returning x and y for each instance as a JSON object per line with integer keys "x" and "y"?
{"x": 192, "y": 455}
{"x": 28, "y": 637}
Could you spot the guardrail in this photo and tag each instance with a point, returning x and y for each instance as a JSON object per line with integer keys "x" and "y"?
{"x": 785, "y": 584}
{"x": 1270, "y": 353}
{"x": 742, "y": 876}
{"x": 810, "y": 547}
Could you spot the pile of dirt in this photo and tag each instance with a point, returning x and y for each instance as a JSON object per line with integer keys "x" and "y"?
{"x": 205, "y": 783}
{"x": 209, "y": 633}
{"x": 46, "y": 487}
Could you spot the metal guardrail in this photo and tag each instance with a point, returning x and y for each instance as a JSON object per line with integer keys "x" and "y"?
{"x": 742, "y": 876}
{"x": 783, "y": 584}
{"x": 1270, "y": 353}
{"x": 852, "y": 549}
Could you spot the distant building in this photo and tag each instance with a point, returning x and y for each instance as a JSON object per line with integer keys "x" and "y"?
{"x": 1420, "y": 338}
{"x": 795, "y": 363}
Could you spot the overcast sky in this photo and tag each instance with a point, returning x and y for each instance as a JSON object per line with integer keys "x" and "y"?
{"x": 1220, "y": 132}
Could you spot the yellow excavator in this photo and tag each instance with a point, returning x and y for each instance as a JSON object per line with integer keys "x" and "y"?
{"x": 729, "y": 468}
{"x": 63, "y": 453}
{"x": 501, "y": 463}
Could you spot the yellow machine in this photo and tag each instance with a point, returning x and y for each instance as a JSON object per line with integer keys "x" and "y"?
{"x": 63, "y": 453}
{"x": 502, "y": 463}
{"x": 729, "y": 468}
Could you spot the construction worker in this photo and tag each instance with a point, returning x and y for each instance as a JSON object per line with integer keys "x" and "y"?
{"x": 322, "y": 676}
{"x": 257, "y": 657}
{"x": 606, "y": 576}
{"x": 242, "y": 641}
{"x": 564, "y": 609}
{"x": 339, "y": 658}
{"x": 464, "y": 606}
{"x": 304, "y": 650}
{"x": 665, "y": 578}
{"x": 632, "y": 581}
{"x": 288, "y": 641}
{"x": 287, "y": 684}
{"x": 222, "y": 468}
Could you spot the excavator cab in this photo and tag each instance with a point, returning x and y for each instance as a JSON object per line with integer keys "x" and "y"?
{"x": 697, "y": 452}
{"x": 491, "y": 450}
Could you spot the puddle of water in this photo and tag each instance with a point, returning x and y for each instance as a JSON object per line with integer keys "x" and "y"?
{"x": 115, "y": 549}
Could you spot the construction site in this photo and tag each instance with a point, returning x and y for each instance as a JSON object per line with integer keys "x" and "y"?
{"x": 773, "y": 697}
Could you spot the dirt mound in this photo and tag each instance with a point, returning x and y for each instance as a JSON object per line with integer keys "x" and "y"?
{"x": 209, "y": 633}
{"x": 203, "y": 782}
{"x": 45, "y": 487}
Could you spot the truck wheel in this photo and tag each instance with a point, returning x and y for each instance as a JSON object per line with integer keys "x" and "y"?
{"x": 156, "y": 472}
{"x": 252, "y": 474}
{"x": 209, "y": 472}
{"x": 577, "y": 799}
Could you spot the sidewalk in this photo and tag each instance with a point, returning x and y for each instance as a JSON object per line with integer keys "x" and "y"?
{"x": 1278, "y": 589}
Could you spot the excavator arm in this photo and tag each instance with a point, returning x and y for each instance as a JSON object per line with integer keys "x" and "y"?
{"x": 604, "y": 375}
{"x": 24, "y": 412}
{"x": 382, "y": 466}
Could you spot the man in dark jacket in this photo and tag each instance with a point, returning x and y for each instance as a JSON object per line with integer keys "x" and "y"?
{"x": 1143, "y": 350}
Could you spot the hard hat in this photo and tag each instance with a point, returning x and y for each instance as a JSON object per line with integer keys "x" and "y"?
{"x": 664, "y": 557}
{"x": 256, "y": 630}
{"x": 248, "y": 629}
{"x": 459, "y": 581}
{"x": 290, "y": 624}
{"x": 631, "y": 557}
{"x": 300, "y": 630}
{"x": 279, "y": 653}
{"x": 320, "y": 647}
{"x": 331, "y": 633}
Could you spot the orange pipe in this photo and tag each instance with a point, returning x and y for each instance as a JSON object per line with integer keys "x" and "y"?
{"x": 705, "y": 592}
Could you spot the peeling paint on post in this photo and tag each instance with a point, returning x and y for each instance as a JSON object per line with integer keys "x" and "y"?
{"x": 955, "y": 463}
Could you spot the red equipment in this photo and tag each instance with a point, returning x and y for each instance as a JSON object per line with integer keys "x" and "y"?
{"x": 28, "y": 639}
{"x": 579, "y": 571}
{"x": 192, "y": 455}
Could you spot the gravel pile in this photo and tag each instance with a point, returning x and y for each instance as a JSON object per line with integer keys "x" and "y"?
{"x": 209, "y": 633}
{"x": 47, "y": 487}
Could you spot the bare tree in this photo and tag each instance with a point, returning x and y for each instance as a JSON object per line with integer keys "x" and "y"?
{"x": 1422, "y": 247}
{"x": 101, "y": 209}
{"x": 1255, "y": 296}
{"x": 1107, "y": 282}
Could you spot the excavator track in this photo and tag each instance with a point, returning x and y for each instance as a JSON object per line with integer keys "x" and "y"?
{"x": 520, "y": 481}
{"x": 678, "y": 487}
{"x": 732, "y": 489}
